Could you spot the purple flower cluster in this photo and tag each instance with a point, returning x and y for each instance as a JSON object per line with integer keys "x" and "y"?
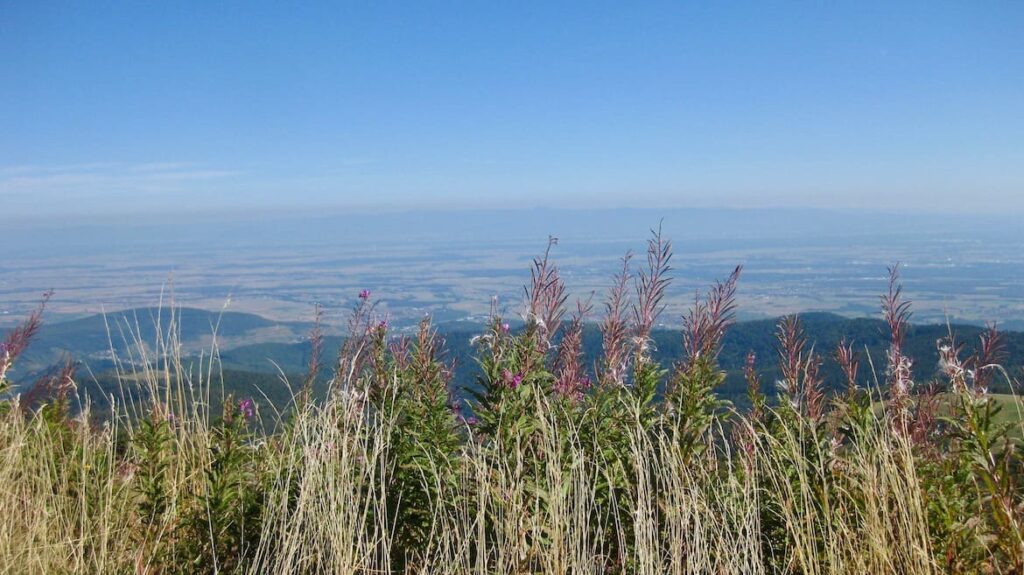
{"x": 364, "y": 294}
{"x": 470, "y": 421}
{"x": 247, "y": 407}
{"x": 573, "y": 389}
{"x": 511, "y": 380}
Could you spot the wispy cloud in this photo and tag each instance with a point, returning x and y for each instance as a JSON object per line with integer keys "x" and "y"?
{"x": 23, "y": 177}
{"x": 37, "y": 189}
{"x": 88, "y": 179}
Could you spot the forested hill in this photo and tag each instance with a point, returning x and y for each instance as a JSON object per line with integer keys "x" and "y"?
{"x": 90, "y": 339}
{"x": 823, "y": 330}
{"x": 248, "y": 365}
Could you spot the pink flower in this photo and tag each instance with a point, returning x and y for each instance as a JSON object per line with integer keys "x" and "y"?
{"x": 457, "y": 411}
{"x": 247, "y": 407}
{"x": 364, "y": 295}
{"x": 504, "y": 327}
{"x": 512, "y": 381}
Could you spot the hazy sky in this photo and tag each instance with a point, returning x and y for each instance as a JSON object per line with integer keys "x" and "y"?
{"x": 157, "y": 106}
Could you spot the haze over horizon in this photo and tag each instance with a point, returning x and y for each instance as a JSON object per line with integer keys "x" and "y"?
{"x": 279, "y": 155}
{"x": 216, "y": 108}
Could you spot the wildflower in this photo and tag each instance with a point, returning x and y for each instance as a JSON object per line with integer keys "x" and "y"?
{"x": 572, "y": 387}
{"x": 364, "y": 294}
{"x": 247, "y": 407}
{"x": 505, "y": 328}
{"x": 470, "y": 420}
{"x": 510, "y": 380}
{"x": 383, "y": 325}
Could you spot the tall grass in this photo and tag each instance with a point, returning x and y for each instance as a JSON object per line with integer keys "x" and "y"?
{"x": 553, "y": 467}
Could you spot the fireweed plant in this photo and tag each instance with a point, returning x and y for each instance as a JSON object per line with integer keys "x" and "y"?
{"x": 551, "y": 465}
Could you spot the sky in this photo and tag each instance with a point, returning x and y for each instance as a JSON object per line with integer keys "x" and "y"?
{"x": 146, "y": 108}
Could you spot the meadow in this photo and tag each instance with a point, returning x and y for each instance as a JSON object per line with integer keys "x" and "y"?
{"x": 553, "y": 466}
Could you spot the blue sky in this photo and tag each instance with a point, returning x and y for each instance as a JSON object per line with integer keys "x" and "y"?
{"x": 205, "y": 106}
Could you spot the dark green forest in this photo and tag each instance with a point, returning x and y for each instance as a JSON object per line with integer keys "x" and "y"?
{"x": 259, "y": 370}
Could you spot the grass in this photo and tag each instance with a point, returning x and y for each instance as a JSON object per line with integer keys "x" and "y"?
{"x": 638, "y": 469}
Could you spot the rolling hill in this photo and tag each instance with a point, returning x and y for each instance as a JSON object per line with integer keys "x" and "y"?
{"x": 251, "y": 357}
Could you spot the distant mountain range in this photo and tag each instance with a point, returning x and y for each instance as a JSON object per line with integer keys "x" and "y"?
{"x": 254, "y": 351}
